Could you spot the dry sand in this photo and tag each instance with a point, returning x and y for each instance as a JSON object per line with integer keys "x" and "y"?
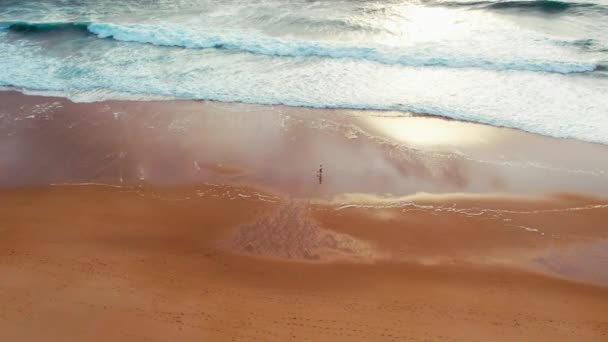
{"x": 204, "y": 221}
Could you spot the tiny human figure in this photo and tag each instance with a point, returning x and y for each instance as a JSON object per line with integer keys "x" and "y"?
{"x": 320, "y": 174}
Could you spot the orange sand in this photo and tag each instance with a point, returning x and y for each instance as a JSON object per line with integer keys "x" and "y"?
{"x": 184, "y": 222}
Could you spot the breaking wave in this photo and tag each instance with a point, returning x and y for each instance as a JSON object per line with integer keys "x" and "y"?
{"x": 177, "y": 36}
{"x": 542, "y": 6}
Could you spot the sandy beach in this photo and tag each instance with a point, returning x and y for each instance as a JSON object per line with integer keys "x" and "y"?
{"x": 189, "y": 221}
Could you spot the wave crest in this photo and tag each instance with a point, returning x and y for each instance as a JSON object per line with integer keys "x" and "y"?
{"x": 543, "y": 6}
{"x": 175, "y": 36}
{"x": 178, "y": 36}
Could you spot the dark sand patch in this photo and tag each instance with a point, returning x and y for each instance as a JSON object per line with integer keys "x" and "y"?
{"x": 291, "y": 233}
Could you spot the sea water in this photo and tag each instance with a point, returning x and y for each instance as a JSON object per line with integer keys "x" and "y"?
{"x": 539, "y": 66}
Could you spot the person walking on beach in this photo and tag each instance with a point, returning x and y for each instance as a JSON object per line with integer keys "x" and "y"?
{"x": 320, "y": 174}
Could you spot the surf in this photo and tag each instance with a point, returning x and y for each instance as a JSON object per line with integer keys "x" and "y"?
{"x": 541, "y": 70}
{"x": 171, "y": 35}
{"x": 539, "y": 6}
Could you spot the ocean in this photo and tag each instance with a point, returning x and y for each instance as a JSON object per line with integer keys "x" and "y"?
{"x": 539, "y": 66}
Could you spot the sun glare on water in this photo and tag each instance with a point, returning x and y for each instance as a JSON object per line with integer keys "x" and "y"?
{"x": 431, "y": 132}
{"x": 416, "y": 24}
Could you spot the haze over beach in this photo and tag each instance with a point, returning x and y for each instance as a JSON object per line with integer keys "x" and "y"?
{"x": 186, "y": 170}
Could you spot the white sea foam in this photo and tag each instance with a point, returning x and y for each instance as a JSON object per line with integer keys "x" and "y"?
{"x": 567, "y": 106}
{"x": 200, "y": 38}
{"x": 467, "y": 65}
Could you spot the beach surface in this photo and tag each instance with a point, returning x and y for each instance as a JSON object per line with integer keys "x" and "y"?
{"x": 185, "y": 220}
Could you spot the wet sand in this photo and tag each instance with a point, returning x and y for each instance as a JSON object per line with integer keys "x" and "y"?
{"x": 143, "y": 221}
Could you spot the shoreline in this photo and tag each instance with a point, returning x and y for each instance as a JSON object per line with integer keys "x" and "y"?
{"x": 254, "y": 145}
{"x": 162, "y": 98}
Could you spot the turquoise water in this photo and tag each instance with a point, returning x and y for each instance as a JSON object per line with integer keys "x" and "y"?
{"x": 539, "y": 66}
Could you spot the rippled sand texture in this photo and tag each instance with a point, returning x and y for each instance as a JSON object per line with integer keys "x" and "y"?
{"x": 290, "y": 233}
